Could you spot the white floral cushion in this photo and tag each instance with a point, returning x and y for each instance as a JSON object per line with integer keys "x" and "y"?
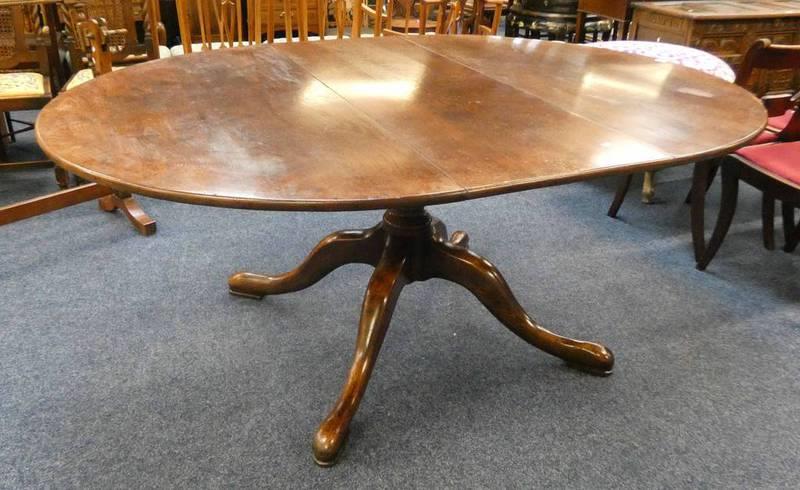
{"x": 196, "y": 48}
{"x": 84, "y": 76}
{"x": 21, "y": 84}
{"x": 675, "y": 54}
{"x": 328, "y": 37}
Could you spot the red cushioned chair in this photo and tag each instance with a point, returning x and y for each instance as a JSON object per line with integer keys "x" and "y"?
{"x": 783, "y": 125}
{"x": 772, "y": 168}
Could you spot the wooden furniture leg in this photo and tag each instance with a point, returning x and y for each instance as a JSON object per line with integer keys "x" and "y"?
{"x": 700, "y": 176}
{"x": 649, "y": 187}
{"x": 619, "y": 196}
{"x": 714, "y": 165}
{"x": 408, "y": 246}
{"x": 143, "y": 223}
{"x": 376, "y": 312}
{"x": 25, "y": 165}
{"x": 62, "y": 177}
{"x": 727, "y": 208}
{"x": 791, "y": 230}
{"x": 45, "y": 204}
{"x": 768, "y": 220}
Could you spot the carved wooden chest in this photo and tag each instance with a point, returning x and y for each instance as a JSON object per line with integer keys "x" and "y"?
{"x": 725, "y": 28}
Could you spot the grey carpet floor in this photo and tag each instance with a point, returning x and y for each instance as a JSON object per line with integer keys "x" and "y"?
{"x": 125, "y": 363}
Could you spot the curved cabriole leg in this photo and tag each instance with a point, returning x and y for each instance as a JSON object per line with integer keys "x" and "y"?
{"x": 143, "y": 223}
{"x": 727, "y": 208}
{"x": 334, "y": 251}
{"x": 376, "y": 312}
{"x": 480, "y": 277}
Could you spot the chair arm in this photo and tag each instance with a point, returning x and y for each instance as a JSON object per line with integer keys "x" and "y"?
{"x": 777, "y": 104}
{"x": 792, "y": 130}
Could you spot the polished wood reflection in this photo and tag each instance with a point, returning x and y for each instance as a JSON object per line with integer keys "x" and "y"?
{"x": 298, "y": 126}
{"x": 408, "y": 246}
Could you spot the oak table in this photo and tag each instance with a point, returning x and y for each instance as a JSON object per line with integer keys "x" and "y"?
{"x": 395, "y": 123}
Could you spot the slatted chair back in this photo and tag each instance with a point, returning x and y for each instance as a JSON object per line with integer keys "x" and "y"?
{"x": 619, "y": 12}
{"x": 17, "y": 45}
{"x": 212, "y": 24}
{"x": 496, "y": 7}
{"x": 308, "y": 18}
{"x": 400, "y": 16}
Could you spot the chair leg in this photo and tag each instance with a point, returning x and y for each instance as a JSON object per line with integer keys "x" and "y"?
{"x": 727, "y": 208}
{"x": 580, "y": 28}
{"x": 768, "y": 220}
{"x": 700, "y": 176}
{"x": 622, "y": 190}
{"x": 143, "y": 223}
{"x": 10, "y": 126}
{"x": 62, "y": 177}
{"x": 791, "y": 230}
{"x": 649, "y": 187}
{"x": 713, "y": 166}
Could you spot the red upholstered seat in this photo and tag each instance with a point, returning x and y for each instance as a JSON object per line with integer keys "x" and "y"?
{"x": 780, "y": 159}
{"x": 777, "y": 123}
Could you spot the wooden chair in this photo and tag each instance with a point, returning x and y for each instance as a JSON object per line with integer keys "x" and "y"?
{"x": 619, "y": 12}
{"x": 25, "y": 82}
{"x": 476, "y": 13}
{"x": 97, "y": 38}
{"x": 363, "y": 12}
{"x": 400, "y": 16}
{"x": 456, "y": 21}
{"x": 308, "y": 18}
{"x": 213, "y": 24}
{"x": 772, "y": 166}
{"x": 139, "y": 33}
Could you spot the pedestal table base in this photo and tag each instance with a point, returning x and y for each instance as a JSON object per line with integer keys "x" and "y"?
{"x": 407, "y": 246}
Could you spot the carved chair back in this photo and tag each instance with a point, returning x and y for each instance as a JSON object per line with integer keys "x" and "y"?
{"x": 99, "y": 42}
{"x": 765, "y": 56}
{"x": 213, "y": 23}
{"x": 125, "y": 20}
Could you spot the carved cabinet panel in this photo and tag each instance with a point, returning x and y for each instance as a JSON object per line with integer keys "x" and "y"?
{"x": 725, "y": 29}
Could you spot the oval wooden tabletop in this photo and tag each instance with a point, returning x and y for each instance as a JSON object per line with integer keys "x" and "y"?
{"x": 388, "y": 122}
